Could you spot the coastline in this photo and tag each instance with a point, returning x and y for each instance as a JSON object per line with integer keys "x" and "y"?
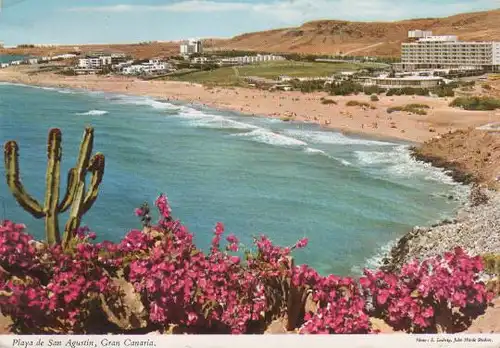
{"x": 471, "y": 228}
{"x": 475, "y": 228}
{"x": 470, "y": 158}
{"x": 248, "y": 101}
{"x": 291, "y": 106}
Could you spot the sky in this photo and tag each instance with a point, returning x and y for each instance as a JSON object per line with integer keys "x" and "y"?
{"x": 127, "y": 21}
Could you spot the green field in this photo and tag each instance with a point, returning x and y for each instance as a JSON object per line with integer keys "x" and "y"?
{"x": 269, "y": 70}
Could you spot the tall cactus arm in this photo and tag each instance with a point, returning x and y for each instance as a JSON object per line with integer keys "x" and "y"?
{"x": 11, "y": 157}
{"x": 85, "y": 152}
{"x": 96, "y": 167}
{"x": 75, "y": 217}
{"x": 70, "y": 191}
{"x": 52, "y": 179}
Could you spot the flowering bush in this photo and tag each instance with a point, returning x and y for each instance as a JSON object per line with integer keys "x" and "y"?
{"x": 57, "y": 290}
{"x": 17, "y": 251}
{"x": 341, "y": 308}
{"x": 438, "y": 294}
{"x": 183, "y": 289}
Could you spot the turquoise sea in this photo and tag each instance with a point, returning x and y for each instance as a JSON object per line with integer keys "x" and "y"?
{"x": 8, "y": 59}
{"x": 350, "y": 196}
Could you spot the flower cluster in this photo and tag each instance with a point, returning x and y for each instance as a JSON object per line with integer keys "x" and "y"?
{"x": 17, "y": 249}
{"x": 341, "y": 308}
{"x": 57, "y": 290}
{"x": 424, "y": 294}
{"x": 183, "y": 286}
{"x": 48, "y": 289}
{"x": 143, "y": 213}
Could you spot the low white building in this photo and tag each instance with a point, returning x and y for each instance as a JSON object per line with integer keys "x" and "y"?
{"x": 153, "y": 66}
{"x": 33, "y": 61}
{"x": 64, "y": 56}
{"x": 413, "y": 81}
{"x": 94, "y": 62}
{"x": 418, "y": 34}
{"x": 16, "y": 62}
{"x": 259, "y": 58}
{"x": 202, "y": 60}
{"x": 4, "y": 65}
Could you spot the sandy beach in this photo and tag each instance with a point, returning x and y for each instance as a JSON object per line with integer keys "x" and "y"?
{"x": 292, "y": 105}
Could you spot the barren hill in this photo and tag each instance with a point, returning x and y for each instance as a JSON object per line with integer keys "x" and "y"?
{"x": 139, "y": 51}
{"x": 317, "y": 37}
{"x": 365, "y": 38}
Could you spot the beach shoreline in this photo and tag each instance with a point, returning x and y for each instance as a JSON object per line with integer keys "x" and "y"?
{"x": 468, "y": 229}
{"x": 373, "y": 121}
{"x": 180, "y": 93}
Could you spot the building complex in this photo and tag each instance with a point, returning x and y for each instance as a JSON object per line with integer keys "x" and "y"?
{"x": 447, "y": 52}
{"x": 241, "y": 60}
{"x": 191, "y": 47}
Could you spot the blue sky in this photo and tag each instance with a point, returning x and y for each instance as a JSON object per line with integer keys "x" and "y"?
{"x": 100, "y": 21}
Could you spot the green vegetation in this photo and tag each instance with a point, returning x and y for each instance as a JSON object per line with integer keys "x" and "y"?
{"x": 76, "y": 196}
{"x": 370, "y": 90}
{"x": 418, "y": 109}
{"x": 360, "y": 104}
{"x": 67, "y": 72}
{"x": 407, "y": 91}
{"x": 374, "y": 98}
{"x": 476, "y": 103}
{"x": 272, "y": 70}
{"x": 346, "y": 88}
{"x": 486, "y": 87}
{"x": 444, "y": 91}
{"x": 328, "y": 101}
{"x": 440, "y": 91}
{"x": 491, "y": 264}
{"x": 308, "y": 86}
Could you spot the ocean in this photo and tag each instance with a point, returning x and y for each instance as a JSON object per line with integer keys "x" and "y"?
{"x": 10, "y": 58}
{"x": 351, "y": 196}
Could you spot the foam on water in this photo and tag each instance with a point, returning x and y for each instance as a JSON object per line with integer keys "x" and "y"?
{"x": 314, "y": 151}
{"x": 29, "y": 86}
{"x": 269, "y": 137}
{"x": 45, "y": 88}
{"x": 197, "y": 118}
{"x": 93, "y": 113}
{"x": 304, "y": 151}
{"x": 325, "y": 137}
{"x": 145, "y": 101}
{"x": 374, "y": 262}
{"x": 398, "y": 163}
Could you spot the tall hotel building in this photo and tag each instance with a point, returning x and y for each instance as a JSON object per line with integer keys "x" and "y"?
{"x": 446, "y": 52}
{"x": 191, "y": 46}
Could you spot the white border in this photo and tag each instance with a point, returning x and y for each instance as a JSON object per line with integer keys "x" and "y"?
{"x": 254, "y": 341}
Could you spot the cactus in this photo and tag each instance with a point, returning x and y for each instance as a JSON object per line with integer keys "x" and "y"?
{"x": 75, "y": 197}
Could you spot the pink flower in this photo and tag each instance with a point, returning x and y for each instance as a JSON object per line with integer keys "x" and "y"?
{"x": 219, "y": 229}
{"x": 302, "y": 243}
{"x": 235, "y": 259}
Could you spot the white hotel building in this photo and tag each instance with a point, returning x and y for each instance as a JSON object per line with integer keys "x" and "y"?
{"x": 191, "y": 47}
{"x": 259, "y": 58}
{"x": 447, "y": 52}
{"x": 94, "y": 62}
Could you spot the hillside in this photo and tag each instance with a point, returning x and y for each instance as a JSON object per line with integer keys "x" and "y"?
{"x": 365, "y": 38}
{"x": 139, "y": 51}
{"x": 317, "y": 37}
